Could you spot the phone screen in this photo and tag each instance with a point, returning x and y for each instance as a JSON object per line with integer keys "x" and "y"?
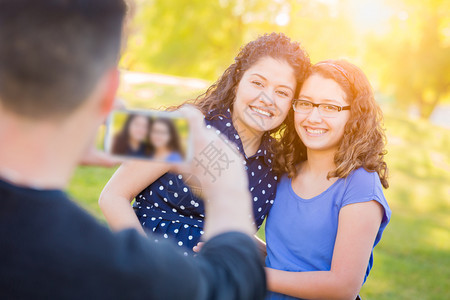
{"x": 146, "y": 134}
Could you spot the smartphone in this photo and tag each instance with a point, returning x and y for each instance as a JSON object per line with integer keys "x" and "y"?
{"x": 146, "y": 134}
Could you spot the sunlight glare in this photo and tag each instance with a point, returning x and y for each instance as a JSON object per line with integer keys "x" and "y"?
{"x": 329, "y": 2}
{"x": 282, "y": 19}
{"x": 403, "y": 15}
{"x": 371, "y": 15}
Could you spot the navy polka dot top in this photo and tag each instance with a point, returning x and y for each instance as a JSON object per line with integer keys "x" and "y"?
{"x": 170, "y": 209}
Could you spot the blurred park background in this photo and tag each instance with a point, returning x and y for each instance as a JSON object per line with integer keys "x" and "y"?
{"x": 177, "y": 48}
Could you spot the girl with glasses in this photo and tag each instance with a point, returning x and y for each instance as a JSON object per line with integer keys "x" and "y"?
{"x": 329, "y": 211}
{"x": 164, "y": 141}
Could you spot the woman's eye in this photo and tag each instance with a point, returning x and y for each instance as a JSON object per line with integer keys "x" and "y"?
{"x": 283, "y": 93}
{"x": 331, "y": 108}
{"x": 257, "y": 83}
{"x": 304, "y": 104}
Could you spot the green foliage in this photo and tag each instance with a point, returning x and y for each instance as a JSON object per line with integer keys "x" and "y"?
{"x": 412, "y": 259}
{"x": 415, "y": 56}
{"x": 184, "y": 37}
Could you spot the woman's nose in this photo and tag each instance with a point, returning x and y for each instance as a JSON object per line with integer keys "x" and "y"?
{"x": 265, "y": 99}
{"x": 314, "y": 116}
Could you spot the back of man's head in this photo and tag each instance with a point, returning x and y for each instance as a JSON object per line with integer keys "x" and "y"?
{"x": 53, "y": 53}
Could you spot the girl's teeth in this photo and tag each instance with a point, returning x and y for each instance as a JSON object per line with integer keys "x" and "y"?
{"x": 315, "y": 131}
{"x": 261, "y": 112}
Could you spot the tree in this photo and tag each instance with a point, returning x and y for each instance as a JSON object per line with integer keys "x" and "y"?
{"x": 194, "y": 37}
{"x": 414, "y": 59}
{"x": 183, "y": 37}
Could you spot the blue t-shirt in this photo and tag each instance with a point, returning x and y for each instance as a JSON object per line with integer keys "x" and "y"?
{"x": 301, "y": 233}
{"x": 174, "y": 157}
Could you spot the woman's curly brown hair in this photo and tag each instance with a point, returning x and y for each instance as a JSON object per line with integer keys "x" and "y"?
{"x": 363, "y": 144}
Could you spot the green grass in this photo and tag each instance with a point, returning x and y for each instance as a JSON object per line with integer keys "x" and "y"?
{"x": 86, "y": 186}
{"x": 413, "y": 258}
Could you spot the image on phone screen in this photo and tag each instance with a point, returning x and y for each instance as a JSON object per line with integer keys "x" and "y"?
{"x": 147, "y": 134}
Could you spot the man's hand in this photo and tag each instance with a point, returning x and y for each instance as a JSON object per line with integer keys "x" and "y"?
{"x": 94, "y": 157}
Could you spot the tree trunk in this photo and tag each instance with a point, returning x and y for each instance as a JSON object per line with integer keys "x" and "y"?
{"x": 427, "y": 108}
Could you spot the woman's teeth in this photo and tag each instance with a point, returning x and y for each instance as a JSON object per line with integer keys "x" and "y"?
{"x": 262, "y": 112}
{"x": 315, "y": 131}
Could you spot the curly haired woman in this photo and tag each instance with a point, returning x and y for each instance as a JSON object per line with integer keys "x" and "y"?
{"x": 329, "y": 212}
{"x": 248, "y": 103}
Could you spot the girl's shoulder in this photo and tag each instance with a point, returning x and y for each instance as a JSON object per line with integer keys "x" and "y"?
{"x": 363, "y": 186}
{"x": 174, "y": 157}
{"x": 363, "y": 180}
{"x": 284, "y": 184}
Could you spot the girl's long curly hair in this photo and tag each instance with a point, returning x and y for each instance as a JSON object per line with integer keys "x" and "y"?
{"x": 364, "y": 140}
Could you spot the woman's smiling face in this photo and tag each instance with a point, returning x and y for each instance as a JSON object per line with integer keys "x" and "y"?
{"x": 317, "y": 132}
{"x": 264, "y": 95}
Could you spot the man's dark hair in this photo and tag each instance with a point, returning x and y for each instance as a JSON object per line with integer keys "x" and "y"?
{"x": 53, "y": 52}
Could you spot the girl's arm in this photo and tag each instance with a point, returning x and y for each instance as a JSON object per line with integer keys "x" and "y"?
{"x": 128, "y": 181}
{"x": 357, "y": 229}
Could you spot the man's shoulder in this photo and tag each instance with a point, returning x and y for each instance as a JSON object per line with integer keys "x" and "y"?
{"x": 40, "y": 206}
{"x": 48, "y": 221}
{"x": 50, "y": 236}
{"x": 53, "y": 232}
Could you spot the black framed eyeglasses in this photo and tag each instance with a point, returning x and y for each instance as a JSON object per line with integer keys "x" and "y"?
{"x": 325, "y": 109}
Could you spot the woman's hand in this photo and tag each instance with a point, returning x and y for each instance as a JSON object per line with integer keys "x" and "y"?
{"x": 97, "y": 158}
{"x": 261, "y": 245}
{"x": 198, "y": 247}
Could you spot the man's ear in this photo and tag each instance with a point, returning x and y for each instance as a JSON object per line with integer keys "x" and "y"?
{"x": 109, "y": 96}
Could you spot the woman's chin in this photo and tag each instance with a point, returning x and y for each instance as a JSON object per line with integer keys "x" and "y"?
{"x": 263, "y": 125}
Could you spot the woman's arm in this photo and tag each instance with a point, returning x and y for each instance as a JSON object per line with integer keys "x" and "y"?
{"x": 357, "y": 229}
{"x": 128, "y": 181}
